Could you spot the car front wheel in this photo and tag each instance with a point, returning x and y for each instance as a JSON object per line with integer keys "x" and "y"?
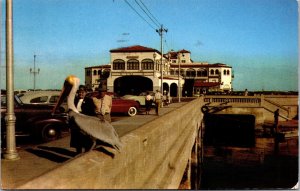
{"x": 132, "y": 111}
{"x": 50, "y": 132}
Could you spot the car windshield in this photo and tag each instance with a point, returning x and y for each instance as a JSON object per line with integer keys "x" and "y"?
{"x": 4, "y": 101}
{"x": 18, "y": 100}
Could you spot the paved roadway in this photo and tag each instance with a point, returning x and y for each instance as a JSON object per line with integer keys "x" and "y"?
{"x": 38, "y": 159}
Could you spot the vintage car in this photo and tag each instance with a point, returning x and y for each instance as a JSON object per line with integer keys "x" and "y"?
{"x": 35, "y": 120}
{"x": 139, "y": 98}
{"x": 39, "y": 97}
{"x": 120, "y": 105}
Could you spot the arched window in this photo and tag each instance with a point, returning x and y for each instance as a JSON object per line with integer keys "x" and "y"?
{"x": 224, "y": 72}
{"x": 202, "y": 73}
{"x": 95, "y": 72}
{"x": 133, "y": 64}
{"x": 147, "y": 64}
{"x": 119, "y": 64}
{"x": 182, "y": 72}
{"x": 228, "y": 72}
{"x": 217, "y": 72}
{"x": 88, "y": 73}
{"x": 190, "y": 73}
{"x": 212, "y": 72}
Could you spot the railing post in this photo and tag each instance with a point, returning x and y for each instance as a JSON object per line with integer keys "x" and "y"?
{"x": 262, "y": 100}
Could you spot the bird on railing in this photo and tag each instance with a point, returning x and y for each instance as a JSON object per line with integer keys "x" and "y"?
{"x": 91, "y": 125}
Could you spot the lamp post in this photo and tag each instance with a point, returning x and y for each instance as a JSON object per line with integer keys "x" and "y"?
{"x": 179, "y": 80}
{"x": 34, "y": 72}
{"x": 10, "y": 118}
{"x": 154, "y": 65}
{"x": 160, "y": 32}
{"x": 179, "y": 87}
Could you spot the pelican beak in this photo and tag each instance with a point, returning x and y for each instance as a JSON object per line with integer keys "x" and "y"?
{"x": 68, "y": 84}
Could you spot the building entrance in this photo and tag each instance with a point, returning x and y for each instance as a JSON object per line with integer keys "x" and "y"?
{"x": 133, "y": 85}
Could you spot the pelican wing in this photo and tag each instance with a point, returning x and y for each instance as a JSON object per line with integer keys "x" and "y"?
{"x": 98, "y": 129}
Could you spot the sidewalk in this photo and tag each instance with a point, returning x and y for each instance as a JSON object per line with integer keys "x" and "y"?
{"x": 39, "y": 159}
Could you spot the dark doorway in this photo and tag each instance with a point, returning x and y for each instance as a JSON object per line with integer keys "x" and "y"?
{"x": 188, "y": 88}
{"x": 173, "y": 90}
{"x": 229, "y": 130}
{"x": 133, "y": 85}
{"x": 165, "y": 88}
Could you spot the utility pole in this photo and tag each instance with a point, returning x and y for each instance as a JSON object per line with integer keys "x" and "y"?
{"x": 10, "y": 118}
{"x": 179, "y": 88}
{"x": 34, "y": 72}
{"x": 160, "y": 32}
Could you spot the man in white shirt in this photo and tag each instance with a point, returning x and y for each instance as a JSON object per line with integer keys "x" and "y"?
{"x": 103, "y": 105}
{"x": 158, "y": 100}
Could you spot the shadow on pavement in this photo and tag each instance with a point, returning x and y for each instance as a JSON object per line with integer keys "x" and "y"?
{"x": 48, "y": 154}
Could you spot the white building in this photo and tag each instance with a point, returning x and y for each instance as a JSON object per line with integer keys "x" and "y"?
{"x": 137, "y": 69}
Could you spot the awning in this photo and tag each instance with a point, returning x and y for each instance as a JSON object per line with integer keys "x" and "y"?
{"x": 206, "y": 84}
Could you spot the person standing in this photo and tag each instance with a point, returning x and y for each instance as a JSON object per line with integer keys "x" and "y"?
{"x": 84, "y": 105}
{"x": 158, "y": 99}
{"x": 276, "y": 117}
{"x": 148, "y": 103}
{"x": 103, "y": 105}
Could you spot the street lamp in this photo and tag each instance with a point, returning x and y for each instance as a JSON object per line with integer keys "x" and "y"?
{"x": 34, "y": 72}
{"x": 160, "y": 32}
{"x": 154, "y": 65}
{"x": 179, "y": 88}
{"x": 10, "y": 118}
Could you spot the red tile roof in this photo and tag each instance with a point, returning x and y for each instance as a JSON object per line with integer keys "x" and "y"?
{"x": 107, "y": 66}
{"x": 183, "y": 51}
{"x": 136, "y": 48}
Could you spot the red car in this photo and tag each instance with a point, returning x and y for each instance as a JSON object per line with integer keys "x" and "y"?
{"x": 119, "y": 105}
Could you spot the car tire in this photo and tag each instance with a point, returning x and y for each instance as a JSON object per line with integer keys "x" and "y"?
{"x": 50, "y": 132}
{"x": 132, "y": 111}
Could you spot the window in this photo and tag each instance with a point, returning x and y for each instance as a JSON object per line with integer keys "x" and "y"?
{"x": 182, "y": 73}
{"x": 95, "y": 72}
{"x": 182, "y": 61}
{"x": 224, "y": 72}
{"x": 202, "y": 73}
{"x": 190, "y": 73}
{"x": 99, "y": 72}
{"x": 119, "y": 64}
{"x": 42, "y": 99}
{"x": 212, "y": 72}
{"x": 88, "y": 73}
{"x": 228, "y": 72}
{"x": 53, "y": 99}
{"x": 133, "y": 64}
{"x": 217, "y": 72}
{"x": 147, "y": 64}
{"x": 172, "y": 72}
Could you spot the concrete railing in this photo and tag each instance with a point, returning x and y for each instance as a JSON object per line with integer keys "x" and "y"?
{"x": 154, "y": 156}
{"x": 287, "y": 105}
{"x": 234, "y": 100}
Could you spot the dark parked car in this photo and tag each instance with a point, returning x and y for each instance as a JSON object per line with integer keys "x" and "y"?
{"x": 35, "y": 120}
{"x": 120, "y": 105}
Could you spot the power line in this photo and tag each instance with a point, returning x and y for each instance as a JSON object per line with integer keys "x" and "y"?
{"x": 138, "y": 14}
{"x": 150, "y": 13}
{"x": 155, "y": 22}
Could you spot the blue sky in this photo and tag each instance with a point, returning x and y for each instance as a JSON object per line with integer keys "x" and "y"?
{"x": 258, "y": 38}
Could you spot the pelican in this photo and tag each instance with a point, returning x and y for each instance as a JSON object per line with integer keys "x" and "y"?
{"x": 93, "y": 126}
